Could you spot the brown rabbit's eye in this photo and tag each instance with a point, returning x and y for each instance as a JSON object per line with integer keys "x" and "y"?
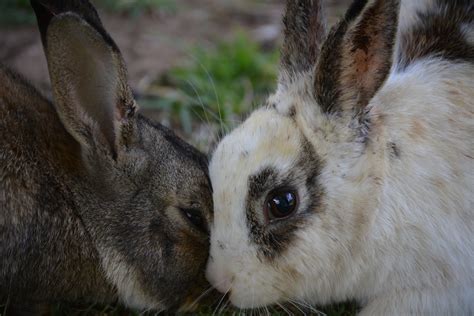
{"x": 281, "y": 204}
{"x": 195, "y": 218}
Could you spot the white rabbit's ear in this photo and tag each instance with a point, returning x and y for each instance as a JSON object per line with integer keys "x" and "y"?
{"x": 357, "y": 56}
{"x": 87, "y": 72}
{"x": 304, "y": 31}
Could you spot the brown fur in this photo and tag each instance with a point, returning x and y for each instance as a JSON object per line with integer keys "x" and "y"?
{"x": 92, "y": 195}
{"x": 438, "y": 34}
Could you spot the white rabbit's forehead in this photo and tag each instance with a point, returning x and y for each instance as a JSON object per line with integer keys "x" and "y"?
{"x": 266, "y": 139}
{"x": 267, "y": 152}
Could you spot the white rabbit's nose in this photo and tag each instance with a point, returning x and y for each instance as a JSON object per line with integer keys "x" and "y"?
{"x": 225, "y": 285}
{"x": 219, "y": 277}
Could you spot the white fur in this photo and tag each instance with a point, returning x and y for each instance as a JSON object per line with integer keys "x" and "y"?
{"x": 395, "y": 234}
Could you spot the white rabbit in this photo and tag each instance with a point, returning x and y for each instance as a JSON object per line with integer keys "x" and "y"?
{"x": 356, "y": 180}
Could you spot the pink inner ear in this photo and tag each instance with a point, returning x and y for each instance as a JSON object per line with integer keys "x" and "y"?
{"x": 366, "y": 71}
{"x": 367, "y": 54}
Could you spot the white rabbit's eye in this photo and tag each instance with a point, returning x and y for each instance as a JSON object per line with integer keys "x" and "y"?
{"x": 280, "y": 204}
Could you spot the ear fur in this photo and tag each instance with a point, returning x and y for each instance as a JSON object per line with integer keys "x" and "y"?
{"x": 357, "y": 56}
{"x": 87, "y": 73}
{"x": 304, "y": 33}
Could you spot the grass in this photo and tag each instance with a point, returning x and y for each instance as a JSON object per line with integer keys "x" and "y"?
{"x": 135, "y": 8}
{"x": 16, "y": 12}
{"x": 216, "y": 86}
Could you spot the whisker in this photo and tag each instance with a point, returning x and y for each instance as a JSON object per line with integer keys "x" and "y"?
{"x": 294, "y": 303}
{"x": 222, "y": 298}
{"x": 267, "y": 311}
{"x": 201, "y": 296}
{"x": 284, "y": 309}
{"x": 224, "y": 306}
{"x": 308, "y": 306}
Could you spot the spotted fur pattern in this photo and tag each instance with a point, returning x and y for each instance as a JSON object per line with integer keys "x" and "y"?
{"x": 384, "y": 123}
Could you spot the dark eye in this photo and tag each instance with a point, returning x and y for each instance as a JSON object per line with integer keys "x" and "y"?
{"x": 195, "y": 218}
{"x": 281, "y": 204}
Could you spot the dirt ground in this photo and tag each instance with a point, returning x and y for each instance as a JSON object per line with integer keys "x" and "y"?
{"x": 152, "y": 43}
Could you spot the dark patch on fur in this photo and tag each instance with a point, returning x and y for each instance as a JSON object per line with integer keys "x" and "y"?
{"x": 438, "y": 34}
{"x": 394, "y": 150}
{"x": 365, "y": 123}
{"x": 221, "y": 245}
{"x": 259, "y": 183}
{"x": 270, "y": 105}
{"x": 273, "y": 238}
{"x": 292, "y": 112}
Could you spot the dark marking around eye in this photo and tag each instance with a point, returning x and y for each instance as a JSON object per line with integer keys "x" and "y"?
{"x": 273, "y": 238}
{"x": 258, "y": 183}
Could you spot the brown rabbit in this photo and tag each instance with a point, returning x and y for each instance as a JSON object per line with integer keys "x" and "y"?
{"x": 97, "y": 204}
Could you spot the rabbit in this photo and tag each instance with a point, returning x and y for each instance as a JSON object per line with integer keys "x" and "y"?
{"x": 97, "y": 203}
{"x": 355, "y": 180}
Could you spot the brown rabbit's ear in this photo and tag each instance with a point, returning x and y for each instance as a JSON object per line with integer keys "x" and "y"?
{"x": 304, "y": 33}
{"x": 357, "y": 56}
{"x": 88, "y": 74}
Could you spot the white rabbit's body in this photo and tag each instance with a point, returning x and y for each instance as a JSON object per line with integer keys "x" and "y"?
{"x": 387, "y": 219}
{"x": 419, "y": 210}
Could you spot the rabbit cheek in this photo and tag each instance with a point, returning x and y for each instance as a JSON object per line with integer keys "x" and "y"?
{"x": 174, "y": 270}
{"x": 249, "y": 252}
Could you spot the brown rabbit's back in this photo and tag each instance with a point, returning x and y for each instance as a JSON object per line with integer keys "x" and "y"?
{"x": 43, "y": 240}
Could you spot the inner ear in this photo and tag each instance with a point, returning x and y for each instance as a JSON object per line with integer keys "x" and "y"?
{"x": 91, "y": 74}
{"x": 89, "y": 82}
{"x": 357, "y": 56}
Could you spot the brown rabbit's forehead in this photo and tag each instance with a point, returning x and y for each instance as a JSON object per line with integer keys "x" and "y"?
{"x": 267, "y": 152}
{"x": 178, "y": 170}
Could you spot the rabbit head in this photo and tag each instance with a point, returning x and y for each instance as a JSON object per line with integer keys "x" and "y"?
{"x": 294, "y": 184}
{"x": 142, "y": 193}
